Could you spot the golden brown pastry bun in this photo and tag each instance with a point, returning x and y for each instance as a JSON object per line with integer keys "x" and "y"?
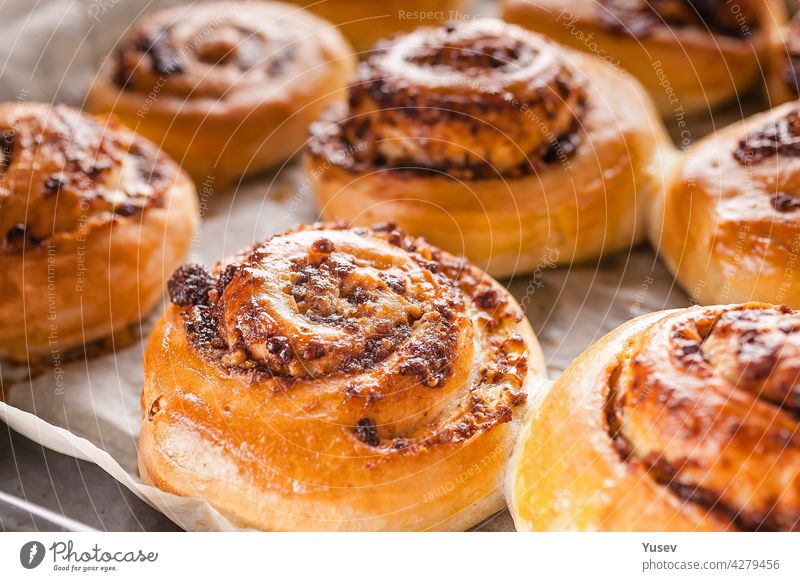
{"x": 93, "y": 219}
{"x": 227, "y": 88}
{"x": 728, "y": 227}
{"x": 784, "y": 78}
{"x": 691, "y": 56}
{"x": 366, "y": 22}
{"x": 494, "y": 143}
{"x": 335, "y": 379}
{"x": 683, "y": 420}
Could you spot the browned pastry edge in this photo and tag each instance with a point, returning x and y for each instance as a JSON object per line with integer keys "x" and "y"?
{"x": 760, "y": 368}
{"x": 677, "y": 420}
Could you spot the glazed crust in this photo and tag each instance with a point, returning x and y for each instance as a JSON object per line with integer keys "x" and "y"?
{"x": 728, "y": 225}
{"x": 691, "y": 57}
{"x": 92, "y": 220}
{"x": 365, "y": 23}
{"x": 683, "y": 420}
{"x": 337, "y": 379}
{"x": 445, "y": 148}
{"x": 227, "y": 88}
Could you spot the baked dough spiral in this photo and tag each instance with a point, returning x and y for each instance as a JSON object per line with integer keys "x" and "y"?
{"x": 337, "y": 379}
{"x": 491, "y": 142}
{"x": 728, "y": 225}
{"x": 680, "y": 420}
{"x": 92, "y": 220}
{"x": 364, "y": 23}
{"x": 690, "y": 55}
{"x": 227, "y": 88}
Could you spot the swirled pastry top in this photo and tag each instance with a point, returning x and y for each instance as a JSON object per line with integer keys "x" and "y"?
{"x": 707, "y": 401}
{"x": 750, "y": 172}
{"x": 639, "y": 18}
{"x": 478, "y": 98}
{"x": 221, "y": 50}
{"x": 62, "y": 171}
{"x": 375, "y": 330}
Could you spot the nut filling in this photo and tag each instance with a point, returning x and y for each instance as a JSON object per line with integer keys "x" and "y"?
{"x": 471, "y": 100}
{"x": 724, "y": 404}
{"x": 780, "y": 137}
{"x": 382, "y": 309}
{"x": 203, "y": 54}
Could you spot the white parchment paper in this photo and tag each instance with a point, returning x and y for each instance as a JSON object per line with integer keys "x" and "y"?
{"x": 90, "y": 408}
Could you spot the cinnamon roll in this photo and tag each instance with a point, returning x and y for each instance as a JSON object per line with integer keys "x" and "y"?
{"x": 93, "y": 218}
{"x": 683, "y": 420}
{"x": 364, "y": 23}
{"x": 691, "y": 55}
{"x": 337, "y": 379}
{"x": 728, "y": 226}
{"x": 494, "y": 143}
{"x": 227, "y": 88}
